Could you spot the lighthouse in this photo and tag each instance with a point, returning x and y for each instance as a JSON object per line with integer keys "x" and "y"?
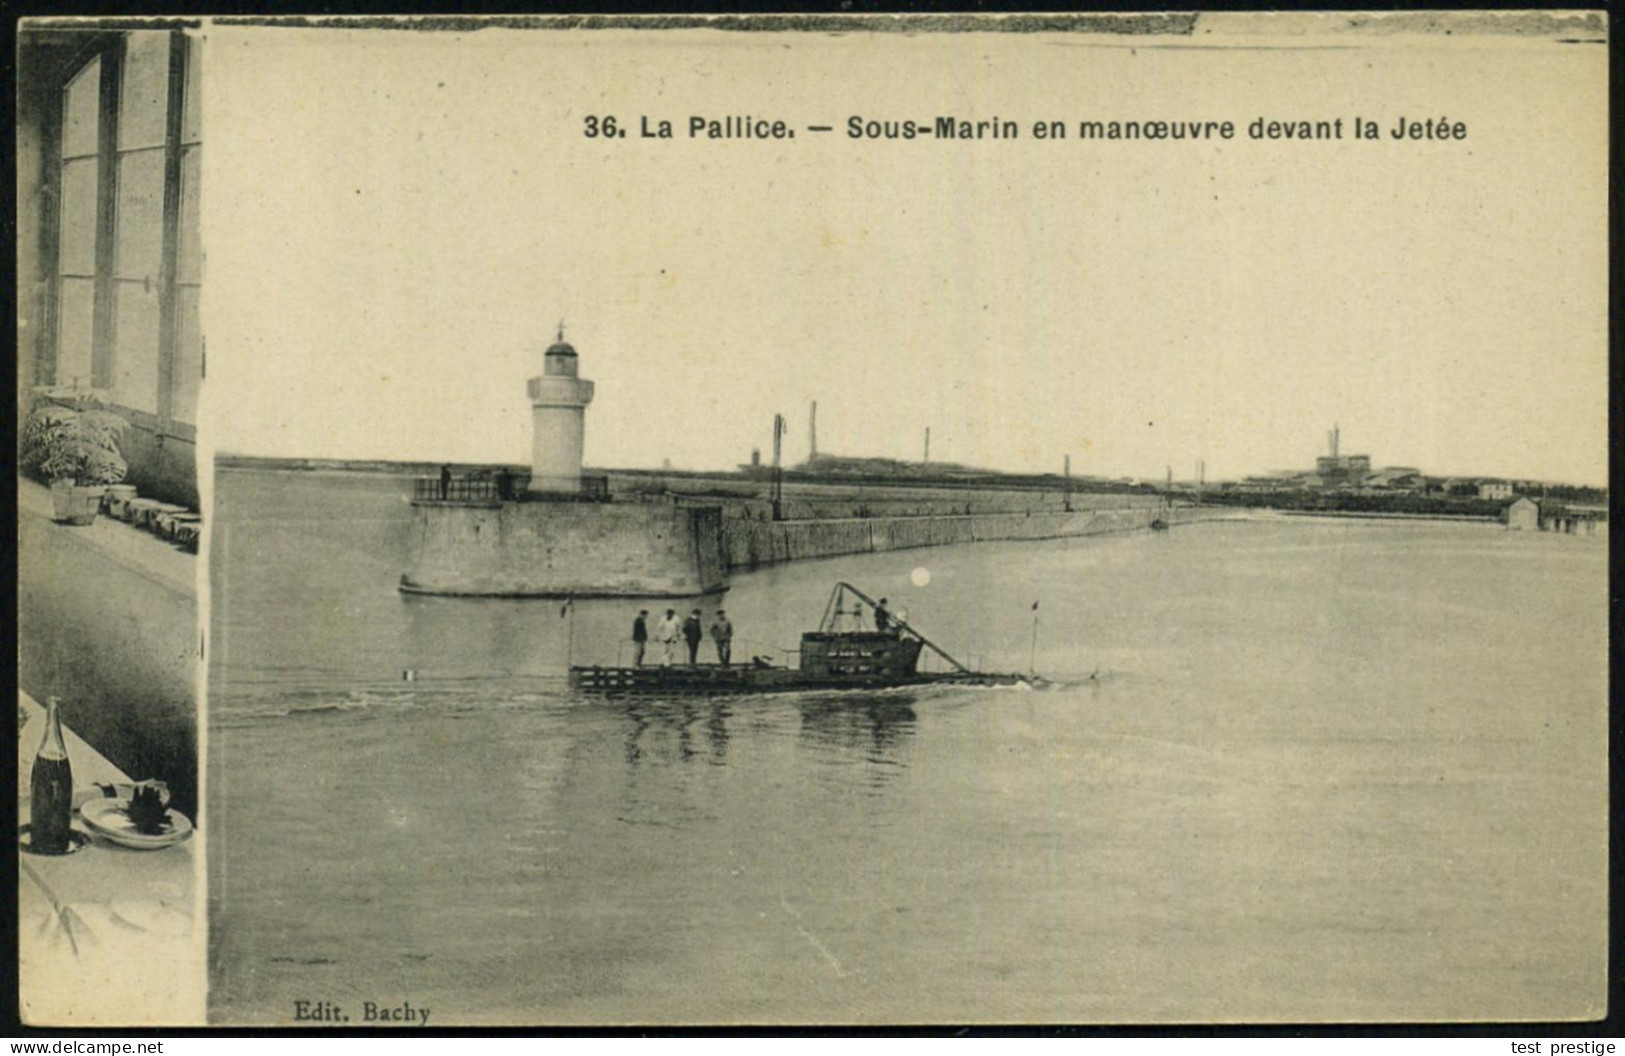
{"x": 568, "y": 539}
{"x": 558, "y": 400}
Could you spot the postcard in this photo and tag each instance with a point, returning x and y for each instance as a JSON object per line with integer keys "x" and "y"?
{"x": 821, "y": 520}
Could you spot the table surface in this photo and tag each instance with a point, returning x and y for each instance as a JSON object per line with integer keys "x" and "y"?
{"x": 107, "y": 935}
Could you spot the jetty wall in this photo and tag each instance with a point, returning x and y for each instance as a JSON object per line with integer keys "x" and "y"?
{"x": 652, "y": 549}
{"x": 748, "y": 544}
{"x": 554, "y": 549}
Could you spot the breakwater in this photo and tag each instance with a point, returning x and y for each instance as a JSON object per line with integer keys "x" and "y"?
{"x": 556, "y": 549}
{"x": 664, "y": 542}
{"x": 748, "y": 544}
{"x": 656, "y": 549}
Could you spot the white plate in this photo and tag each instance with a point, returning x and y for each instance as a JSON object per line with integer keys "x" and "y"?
{"x": 115, "y": 790}
{"x": 85, "y": 793}
{"x": 106, "y": 817}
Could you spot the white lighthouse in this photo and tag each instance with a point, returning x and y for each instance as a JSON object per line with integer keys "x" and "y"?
{"x": 558, "y": 400}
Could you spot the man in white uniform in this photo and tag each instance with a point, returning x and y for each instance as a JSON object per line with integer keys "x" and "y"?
{"x": 668, "y": 631}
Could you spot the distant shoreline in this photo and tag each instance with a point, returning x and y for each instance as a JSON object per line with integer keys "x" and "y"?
{"x": 344, "y": 465}
{"x": 685, "y": 480}
{"x": 1080, "y": 485}
{"x": 1481, "y": 518}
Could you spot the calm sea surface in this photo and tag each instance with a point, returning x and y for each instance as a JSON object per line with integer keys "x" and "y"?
{"x": 1323, "y": 770}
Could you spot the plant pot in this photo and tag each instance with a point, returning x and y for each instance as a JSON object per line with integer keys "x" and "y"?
{"x": 188, "y": 535}
{"x": 148, "y": 514}
{"x": 74, "y": 504}
{"x": 62, "y": 499}
{"x": 87, "y": 502}
{"x": 169, "y": 524}
{"x": 118, "y": 496}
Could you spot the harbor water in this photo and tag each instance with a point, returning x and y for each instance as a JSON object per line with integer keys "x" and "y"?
{"x": 1304, "y": 769}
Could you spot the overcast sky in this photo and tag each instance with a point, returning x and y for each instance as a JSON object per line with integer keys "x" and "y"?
{"x": 395, "y": 223}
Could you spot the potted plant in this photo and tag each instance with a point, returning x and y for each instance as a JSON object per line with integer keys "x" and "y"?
{"x": 76, "y": 449}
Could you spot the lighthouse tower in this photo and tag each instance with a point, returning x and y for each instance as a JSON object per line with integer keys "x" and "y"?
{"x": 558, "y": 400}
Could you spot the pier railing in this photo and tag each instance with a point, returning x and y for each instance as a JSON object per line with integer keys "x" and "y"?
{"x": 594, "y": 489}
{"x": 462, "y": 490}
{"x": 484, "y": 489}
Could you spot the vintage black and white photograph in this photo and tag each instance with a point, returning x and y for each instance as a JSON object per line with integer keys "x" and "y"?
{"x": 856, "y": 520}
{"x": 109, "y": 366}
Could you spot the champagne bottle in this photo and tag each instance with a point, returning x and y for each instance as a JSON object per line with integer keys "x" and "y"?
{"x": 51, "y": 797}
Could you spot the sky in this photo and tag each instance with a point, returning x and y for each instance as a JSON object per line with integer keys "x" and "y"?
{"x": 395, "y": 223}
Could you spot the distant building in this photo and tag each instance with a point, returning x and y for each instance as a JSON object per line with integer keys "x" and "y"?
{"x": 1339, "y": 468}
{"x": 828, "y": 465}
{"x": 1405, "y": 478}
{"x": 1522, "y": 515}
{"x": 1562, "y": 517}
{"x": 1271, "y": 483}
{"x": 1495, "y": 489}
{"x": 1335, "y": 469}
{"x": 1547, "y": 515}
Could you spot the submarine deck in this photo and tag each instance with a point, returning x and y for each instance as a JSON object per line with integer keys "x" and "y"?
{"x": 717, "y": 680}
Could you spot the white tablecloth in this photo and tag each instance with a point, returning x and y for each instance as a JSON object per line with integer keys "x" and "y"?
{"x": 106, "y": 936}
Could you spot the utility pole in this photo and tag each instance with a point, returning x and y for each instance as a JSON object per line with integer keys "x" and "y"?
{"x": 1066, "y": 493}
{"x": 1032, "y": 657}
{"x": 569, "y": 614}
{"x": 927, "y": 443}
{"x": 778, "y": 467}
{"x": 812, "y": 433}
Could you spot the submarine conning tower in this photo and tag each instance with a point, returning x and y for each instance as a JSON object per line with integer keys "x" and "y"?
{"x": 558, "y": 400}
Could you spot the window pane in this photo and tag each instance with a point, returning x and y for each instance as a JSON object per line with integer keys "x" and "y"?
{"x": 188, "y": 354}
{"x": 76, "y": 250}
{"x": 144, "y": 98}
{"x": 81, "y": 110}
{"x": 135, "y": 346}
{"x": 138, "y": 246}
{"x": 190, "y": 265}
{"x": 192, "y": 113}
{"x": 76, "y": 315}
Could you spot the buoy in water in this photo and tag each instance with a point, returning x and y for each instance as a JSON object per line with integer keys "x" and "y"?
{"x": 409, "y": 675}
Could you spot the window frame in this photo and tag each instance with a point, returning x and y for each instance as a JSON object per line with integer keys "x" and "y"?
{"x": 110, "y": 50}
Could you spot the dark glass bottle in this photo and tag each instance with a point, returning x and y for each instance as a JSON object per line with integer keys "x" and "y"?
{"x": 51, "y": 798}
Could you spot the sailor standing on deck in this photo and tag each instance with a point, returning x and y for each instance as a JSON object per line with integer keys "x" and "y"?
{"x": 692, "y": 634}
{"x": 722, "y": 632}
{"x": 882, "y": 617}
{"x": 640, "y": 637}
{"x": 667, "y": 632}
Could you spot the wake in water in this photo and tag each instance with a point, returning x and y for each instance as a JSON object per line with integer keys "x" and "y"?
{"x": 273, "y": 701}
{"x": 451, "y": 695}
